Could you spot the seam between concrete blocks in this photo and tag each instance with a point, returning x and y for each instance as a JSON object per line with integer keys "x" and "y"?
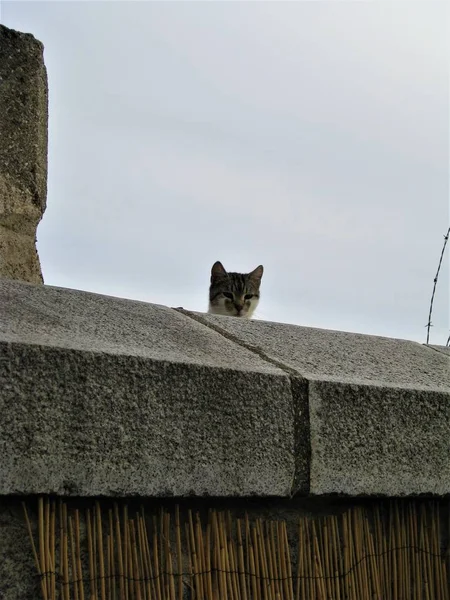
{"x": 436, "y": 350}
{"x": 292, "y": 374}
{"x": 255, "y": 349}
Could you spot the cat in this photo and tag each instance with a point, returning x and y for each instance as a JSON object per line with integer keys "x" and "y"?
{"x": 234, "y": 294}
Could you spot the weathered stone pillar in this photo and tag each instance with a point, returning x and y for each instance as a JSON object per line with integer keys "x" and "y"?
{"x": 23, "y": 153}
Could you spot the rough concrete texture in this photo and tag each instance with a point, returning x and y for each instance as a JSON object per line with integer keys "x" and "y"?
{"x": 378, "y": 440}
{"x": 319, "y": 354}
{"x": 102, "y": 396}
{"x": 379, "y": 408}
{"x": 107, "y": 396}
{"x": 18, "y": 576}
{"x": 23, "y": 153}
{"x": 444, "y": 349}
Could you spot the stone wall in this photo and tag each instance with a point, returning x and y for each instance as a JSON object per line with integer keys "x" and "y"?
{"x": 23, "y": 153}
{"x": 112, "y": 397}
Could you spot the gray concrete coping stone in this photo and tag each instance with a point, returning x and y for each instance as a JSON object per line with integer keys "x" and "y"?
{"x": 379, "y": 408}
{"x": 321, "y": 354}
{"x": 444, "y": 349}
{"x": 105, "y": 396}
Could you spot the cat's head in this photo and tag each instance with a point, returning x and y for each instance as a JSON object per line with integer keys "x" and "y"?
{"x": 234, "y": 294}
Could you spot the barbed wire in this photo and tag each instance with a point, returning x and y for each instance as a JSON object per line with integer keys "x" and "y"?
{"x": 436, "y": 277}
{"x": 45, "y": 575}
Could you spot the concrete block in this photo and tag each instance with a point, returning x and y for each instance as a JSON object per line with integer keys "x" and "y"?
{"x": 379, "y": 408}
{"x": 104, "y": 396}
{"x": 23, "y": 152}
{"x": 378, "y": 440}
{"x": 444, "y": 349}
{"x": 321, "y": 354}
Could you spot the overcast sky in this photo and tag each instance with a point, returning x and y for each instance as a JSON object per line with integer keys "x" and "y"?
{"x": 311, "y": 137}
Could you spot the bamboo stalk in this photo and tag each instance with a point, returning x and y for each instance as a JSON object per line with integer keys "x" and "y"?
{"x": 164, "y": 554}
{"x": 351, "y": 564}
{"x": 339, "y": 558}
{"x": 143, "y": 554}
{"x": 233, "y": 579}
{"x": 158, "y": 581}
{"x": 275, "y": 567}
{"x": 247, "y": 553}
{"x": 378, "y": 542}
{"x": 407, "y": 552}
{"x": 190, "y": 565}
{"x": 120, "y": 565}
{"x": 66, "y": 566}
{"x": 232, "y": 557}
{"x": 200, "y": 554}
{"x": 61, "y": 550}
{"x": 195, "y": 557}
{"x": 428, "y": 542}
{"x": 300, "y": 590}
{"x": 42, "y": 553}
{"x": 327, "y": 550}
{"x": 109, "y": 583}
{"x": 347, "y": 584}
{"x": 47, "y": 547}
{"x": 255, "y": 587}
{"x": 179, "y": 553}
{"x": 148, "y": 555}
{"x": 321, "y": 592}
{"x": 53, "y": 548}
{"x": 310, "y": 581}
{"x": 215, "y": 553}
{"x": 161, "y": 552}
{"x": 130, "y": 558}
{"x": 288, "y": 560}
{"x": 66, "y": 584}
{"x": 414, "y": 558}
{"x": 99, "y": 537}
{"x": 125, "y": 556}
{"x": 74, "y": 560}
{"x": 399, "y": 551}
{"x": 170, "y": 560}
{"x": 424, "y": 545}
{"x": 241, "y": 564}
{"x": 256, "y": 560}
{"x": 35, "y": 555}
{"x": 135, "y": 561}
{"x": 361, "y": 562}
{"x": 209, "y": 579}
{"x": 266, "y": 584}
{"x": 79, "y": 569}
{"x": 437, "y": 549}
{"x": 112, "y": 573}
{"x": 374, "y": 567}
{"x": 225, "y": 557}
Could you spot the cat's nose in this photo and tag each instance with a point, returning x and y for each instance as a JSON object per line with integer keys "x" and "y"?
{"x": 239, "y": 307}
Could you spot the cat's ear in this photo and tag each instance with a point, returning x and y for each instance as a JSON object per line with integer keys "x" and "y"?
{"x": 257, "y": 273}
{"x": 217, "y": 270}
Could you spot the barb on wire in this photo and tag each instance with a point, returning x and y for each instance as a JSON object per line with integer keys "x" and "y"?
{"x": 429, "y": 324}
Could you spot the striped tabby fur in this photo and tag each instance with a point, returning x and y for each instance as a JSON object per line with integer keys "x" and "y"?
{"x": 234, "y": 294}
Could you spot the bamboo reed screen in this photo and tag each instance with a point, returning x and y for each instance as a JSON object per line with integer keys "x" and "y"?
{"x": 390, "y": 552}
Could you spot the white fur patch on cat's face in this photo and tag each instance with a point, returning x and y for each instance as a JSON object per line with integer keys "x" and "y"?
{"x": 225, "y": 306}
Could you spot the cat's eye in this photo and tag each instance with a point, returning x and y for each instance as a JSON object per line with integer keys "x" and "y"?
{"x": 248, "y": 296}
{"x": 228, "y": 295}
